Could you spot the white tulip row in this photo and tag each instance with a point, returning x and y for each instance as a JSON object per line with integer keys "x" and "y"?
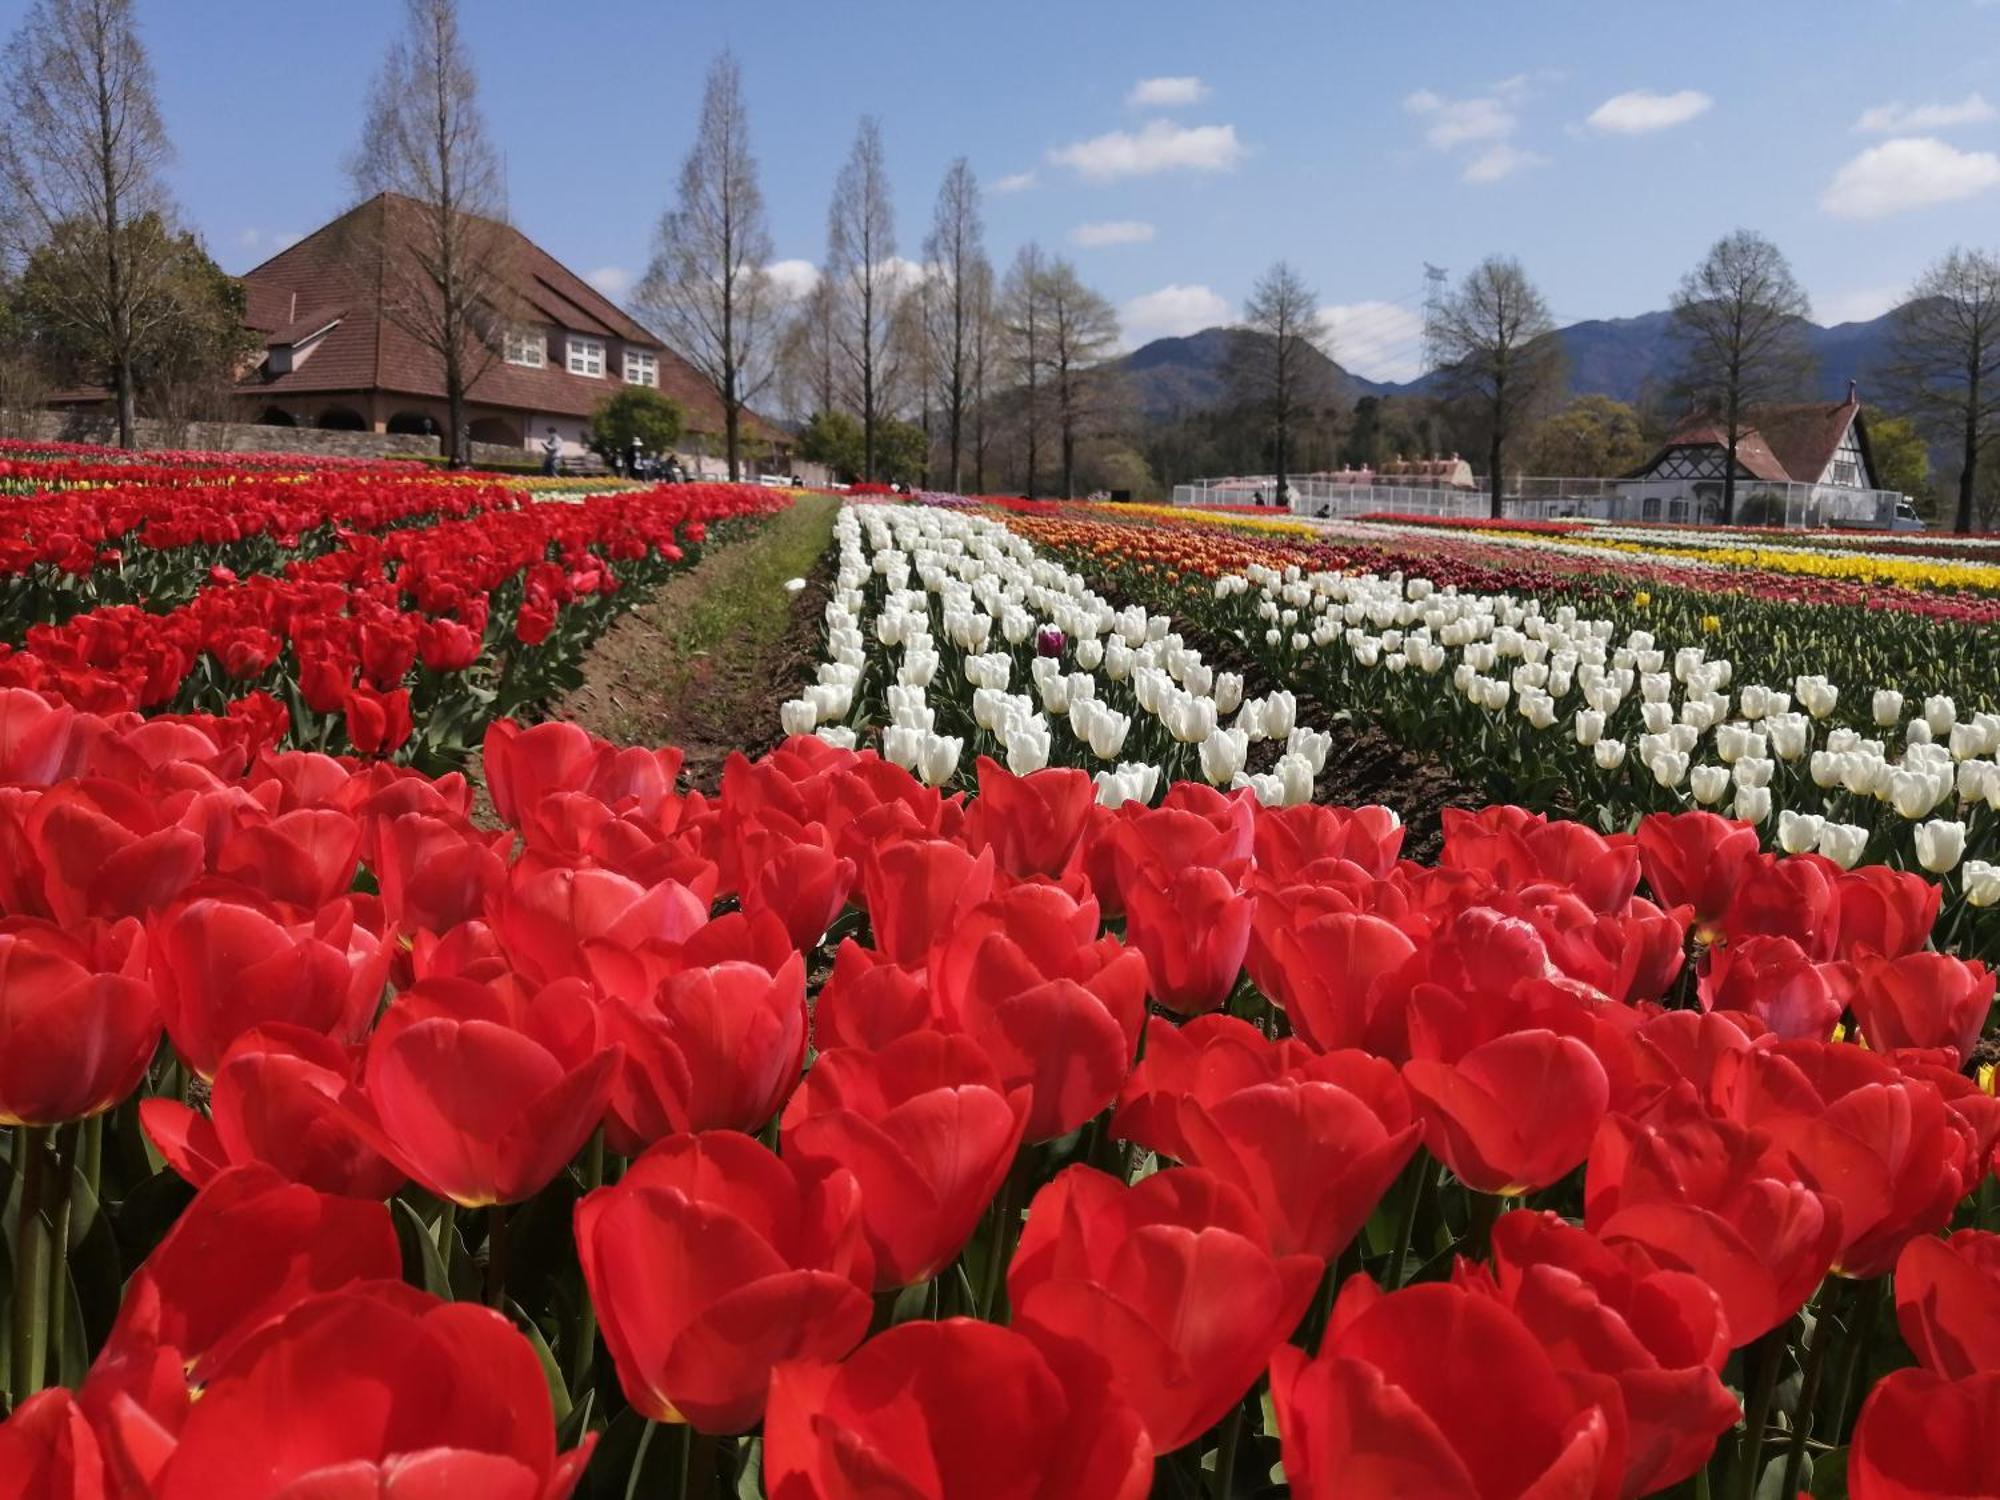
{"x": 962, "y": 603}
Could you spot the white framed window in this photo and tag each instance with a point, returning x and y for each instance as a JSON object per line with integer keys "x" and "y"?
{"x": 586, "y": 357}
{"x": 528, "y": 347}
{"x": 642, "y": 368}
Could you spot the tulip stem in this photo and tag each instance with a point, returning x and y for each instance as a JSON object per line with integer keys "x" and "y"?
{"x": 583, "y": 1347}
{"x": 1766, "y": 1355}
{"x": 1225, "y": 1453}
{"x": 1406, "y": 1227}
{"x": 496, "y": 1255}
{"x": 30, "y": 1309}
{"x": 1802, "y": 1420}
{"x": 997, "y": 1251}
{"x": 639, "y": 1459}
{"x": 1869, "y": 1300}
{"x": 61, "y": 1203}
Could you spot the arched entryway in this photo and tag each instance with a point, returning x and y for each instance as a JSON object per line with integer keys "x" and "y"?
{"x": 277, "y": 416}
{"x": 495, "y": 430}
{"x": 413, "y": 424}
{"x": 341, "y": 419}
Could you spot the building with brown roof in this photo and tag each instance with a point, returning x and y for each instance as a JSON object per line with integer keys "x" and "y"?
{"x": 334, "y": 356}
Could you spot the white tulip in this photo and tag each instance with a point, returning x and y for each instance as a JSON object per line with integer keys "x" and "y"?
{"x": 1297, "y": 773}
{"x": 1539, "y": 711}
{"x": 1753, "y": 771}
{"x": 1967, "y": 740}
{"x": 1670, "y": 768}
{"x": 1825, "y": 767}
{"x": 1940, "y": 845}
{"x": 1753, "y": 803}
{"x": 1911, "y": 793}
{"x": 1609, "y": 754}
{"x": 1982, "y": 882}
{"x": 940, "y": 757}
{"x": 1228, "y": 692}
{"x": 1917, "y": 733}
{"x": 1657, "y": 717}
{"x": 1589, "y": 726}
{"x": 1888, "y": 708}
{"x": 917, "y": 668}
{"x": 1223, "y": 754}
{"x": 1816, "y": 695}
{"x": 1940, "y": 713}
{"x": 840, "y": 736}
{"x": 1108, "y": 729}
{"x": 1311, "y": 746}
{"x": 1843, "y": 843}
{"x": 1027, "y": 748}
{"x": 1789, "y": 734}
{"x": 798, "y": 716}
{"x": 1709, "y": 784}
{"x": 1797, "y": 831}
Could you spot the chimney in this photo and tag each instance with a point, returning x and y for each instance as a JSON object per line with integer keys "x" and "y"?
{"x": 1853, "y": 392}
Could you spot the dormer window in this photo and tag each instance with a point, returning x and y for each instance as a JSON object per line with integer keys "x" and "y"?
{"x": 527, "y": 347}
{"x": 586, "y": 357}
{"x": 642, "y": 368}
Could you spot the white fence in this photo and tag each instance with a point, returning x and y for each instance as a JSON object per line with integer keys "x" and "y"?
{"x": 1797, "y": 506}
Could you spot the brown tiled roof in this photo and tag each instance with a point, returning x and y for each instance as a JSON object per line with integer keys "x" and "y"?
{"x": 338, "y": 272}
{"x": 1783, "y": 442}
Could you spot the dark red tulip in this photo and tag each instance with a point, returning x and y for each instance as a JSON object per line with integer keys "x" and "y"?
{"x": 1695, "y": 859}
{"x": 245, "y": 1251}
{"x": 480, "y": 1101}
{"x": 1031, "y": 823}
{"x": 710, "y": 1261}
{"x": 376, "y": 1391}
{"x": 221, "y": 967}
{"x": 1382, "y": 1412}
{"x": 1659, "y": 1336}
{"x": 49, "y": 1452}
{"x": 1513, "y": 1114}
{"x": 1948, "y": 1302}
{"x": 1194, "y": 928}
{"x": 37, "y": 739}
{"x": 1055, "y": 1007}
{"x": 1792, "y": 896}
{"x": 1921, "y": 1000}
{"x": 1702, "y": 1195}
{"x": 1922, "y": 1436}
{"x": 377, "y": 723}
{"x": 926, "y": 1127}
{"x": 1314, "y": 1150}
{"x": 955, "y": 1410}
{"x": 280, "y": 1097}
{"x": 78, "y": 1021}
{"x": 1172, "y": 1283}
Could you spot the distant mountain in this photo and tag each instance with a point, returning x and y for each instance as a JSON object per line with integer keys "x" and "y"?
{"x": 1622, "y": 358}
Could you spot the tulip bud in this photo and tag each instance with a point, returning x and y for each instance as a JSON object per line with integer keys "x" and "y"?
{"x": 1940, "y": 845}
{"x": 798, "y": 716}
{"x": 1609, "y": 754}
{"x": 1709, "y": 784}
{"x": 1798, "y": 832}
{"x": 1843, "y": 843}
{"x": 1753, "y": 803}
{"x": 1940, "y": 713}
{"x": 1223, "y": 754}
{"x": 1888, "y": 707}
{"x": 939, "y": 756}
{"x": 1589, "y": 726}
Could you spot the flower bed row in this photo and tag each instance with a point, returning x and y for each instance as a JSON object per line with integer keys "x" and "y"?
{"x": 1200, "y": 1145}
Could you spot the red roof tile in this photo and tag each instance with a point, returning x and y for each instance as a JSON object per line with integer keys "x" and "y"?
{"x": 1792, "y": 442}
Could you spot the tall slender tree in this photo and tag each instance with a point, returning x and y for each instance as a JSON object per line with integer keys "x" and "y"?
{"x": 82, "y": 152}
{"x": 860, "y": 271}
{"x": 1278, "y": 361}
{"x": 1944, "y": 363}
{"x": 985, "y": 346}
{"x": 1500, "y": 355}
{"x": 707, "y": 290}
{"x": 955, "y": 262}
{"x": 437, "y": 222}
{"x": 1024, "y": 324}
{"x": 1739, "y": 317}
{"x": 1082, "y": 332}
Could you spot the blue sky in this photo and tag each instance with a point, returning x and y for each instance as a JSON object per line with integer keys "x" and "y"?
{"x": 1604, "y": 143}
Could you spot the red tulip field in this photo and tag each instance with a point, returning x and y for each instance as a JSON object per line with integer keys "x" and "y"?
{"x": 1011, "y": 1078}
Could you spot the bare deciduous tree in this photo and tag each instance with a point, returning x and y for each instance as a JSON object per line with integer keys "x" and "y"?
{"x": 1278, "y": 362}
{"x": 1739, "y": 317}
{"x": 1500, "y": 354}
{"x": 707, "y": 290}
{"x": 985, "y": 347}
{"x": 1082, "y": 329}
{"x": 81, "y": 153}
{"x": 955, "y": 260}
{"x": 808, "y": 373}
{"x": 1024, "y": 326}
{"x": 860, "y": 248}
{"x": 444, "y": 253}
{"x": 1944, "y": 363}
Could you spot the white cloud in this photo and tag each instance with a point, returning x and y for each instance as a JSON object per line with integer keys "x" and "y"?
{"x": 1112, "y": 232}
{"x": 1166, "y": 93}
{"x": 1377, "y": 340}
{"x": 266, "y": 241}
{"x": 1014, "y": 182}
{"x": 1902, "y": 119}
{"x": 1912, "y": 172}
{"x": 1858, "y": 305}
{"x": 1502, "y": 159}
{"x": 1171, "y": 312}
{"x": 794, "y": 279}
{"x": 1642, "y": 110}
{"x": 1455, "y": 122}
{"x": 613, "y": 281}
{"x": 1157, "y": 146}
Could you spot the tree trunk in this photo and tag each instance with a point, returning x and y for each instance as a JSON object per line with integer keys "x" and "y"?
{"x": 1968, "y": 473}
{"x": 128, "y": 401}
{"x": 732, "y": 430}
{"x": 1495, "y": 454}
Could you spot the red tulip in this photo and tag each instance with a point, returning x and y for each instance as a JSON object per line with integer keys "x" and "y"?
{"x": 1922, "y": 1000}
{"x": 1292, "y": 844}
{"x": 304, "y": 858}
{"x": 1331, "y": 972}
{"x": 106, "y": 850}
{"x": 49, "y": 1452}
{"x": 1194, "y": 928}
{"x": 868, "y": 1002}
{"x": 1172, "y": 1283}
{"x": 1948, "y": 1302}
{"x": 1702, "y": 1195}
{"x": 479, "y": 1101}
{"x": 1633, "y": 957}
{"x": 1885, "y": 912}
{"x": 1439, "y": 1392}
{"x": 1695, "y": 859}
{"x": 1771, "y": 979}
{"x": 717, "y": 1048}
{"x": 1210, "y": 1057}
{"x": 245, "y": 1251}
{"x": 916, "y": 892}
{"x": 221, "y": 967}
{"x": 1796, "y": 897}
{"x": 709, "y": 1262}
{"x": 78, "y": 1022}
{"x": 1659, "y": 1336}
{"x": 956, "y": 1410}
{"x": 1513, "y": 1114}
{"x": 1921, "y": 1435}
{"x": 1315, "y": 1150}
{"x": 37, "y": 739}
{"x": 1032, "y": 823}
{"x": 794, "y": 874}
{"x": 1054, "y": 1006}
{"x": 280, "y": 1097}
{"x": 376, "y": 1391}
{"x": 435, "y": 874}
{"x": 524, "y": 765}
{"x": 377, "y": 723}
{"x": 549, "y": 919}
{"x": 926, "y": 1127}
